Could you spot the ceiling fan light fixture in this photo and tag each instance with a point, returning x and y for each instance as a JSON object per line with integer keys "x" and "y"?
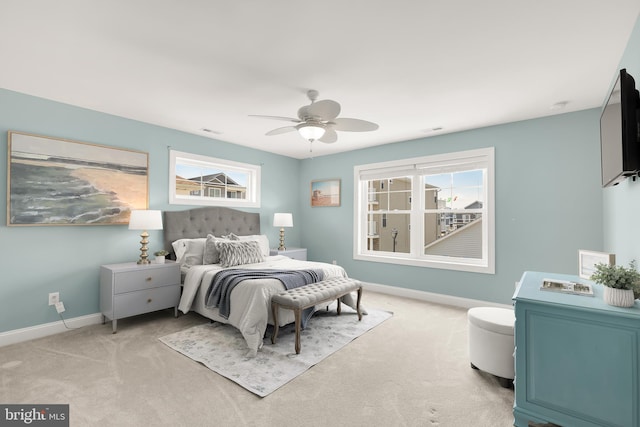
{"x": 311, "y": 131}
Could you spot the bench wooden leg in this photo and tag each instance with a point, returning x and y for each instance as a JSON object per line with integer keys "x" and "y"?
{"x": 275, "y": 308}
{"x": 297, "y": 313}
{"x": 274, "y": 312}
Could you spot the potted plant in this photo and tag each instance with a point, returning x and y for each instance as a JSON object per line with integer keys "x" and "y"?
{"x": 621, "y": 284}
{"x": 160, "y": 256}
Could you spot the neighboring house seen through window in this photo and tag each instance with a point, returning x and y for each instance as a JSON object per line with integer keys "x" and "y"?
{"x": 434, "y": 211}
{"x": 202, "y": 180}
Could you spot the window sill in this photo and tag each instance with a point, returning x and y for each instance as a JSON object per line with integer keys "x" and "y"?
{"x": 400, "y": 260}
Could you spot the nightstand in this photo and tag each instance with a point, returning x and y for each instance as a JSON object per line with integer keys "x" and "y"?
{"x": 130, "y": 289}
{"x": 294, "y": 253}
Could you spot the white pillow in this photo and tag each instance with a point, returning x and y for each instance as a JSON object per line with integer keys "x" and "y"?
{"x": 262, "y": 240}
{"x": 189, "y": 251}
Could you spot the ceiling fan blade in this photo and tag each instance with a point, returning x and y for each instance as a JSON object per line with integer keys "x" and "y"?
{"x": 330, "y": 136}
{"x": 278, "y": 131}
{"x": 354, "y": 125}
{"x": 287, "y": 119}
{"x": 326, "y": 109}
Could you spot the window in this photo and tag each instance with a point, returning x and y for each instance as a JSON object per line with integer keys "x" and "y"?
{"x": 434, "y": 211}
{"x": 202, "y": 180}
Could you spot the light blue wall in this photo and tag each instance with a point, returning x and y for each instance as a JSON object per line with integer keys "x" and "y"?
{"x": 548, "y": 204}
{"x": 37, "y": 260}
{"x": 622, "y": 202}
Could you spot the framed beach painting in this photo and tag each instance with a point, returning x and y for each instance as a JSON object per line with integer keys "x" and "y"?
{"x": 325, "y": 193}
{"x": 587, "y": 261}
{"x": 53, "y": 181}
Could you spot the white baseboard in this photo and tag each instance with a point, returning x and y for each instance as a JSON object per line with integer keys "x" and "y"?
{"x": 39, "y": 331}
{"x": 46, "y": 329}
{"x": 432, "y": 297}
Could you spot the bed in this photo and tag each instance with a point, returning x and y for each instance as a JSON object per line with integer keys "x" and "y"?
{"x": 250, "y": 299}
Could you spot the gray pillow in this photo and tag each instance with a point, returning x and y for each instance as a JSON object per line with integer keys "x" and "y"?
{"x": 233, "y": 252}
{"x": 210, "y": 252}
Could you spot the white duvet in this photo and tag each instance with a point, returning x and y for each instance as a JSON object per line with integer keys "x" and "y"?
{"x": 250, "y": 299}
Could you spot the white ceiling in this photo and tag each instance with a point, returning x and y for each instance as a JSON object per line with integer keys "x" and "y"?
{"x": 408, "y": 65}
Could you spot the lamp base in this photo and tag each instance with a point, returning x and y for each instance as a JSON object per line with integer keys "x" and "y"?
{"x": 143, "y": 248}
{"x": 281, "y": 247}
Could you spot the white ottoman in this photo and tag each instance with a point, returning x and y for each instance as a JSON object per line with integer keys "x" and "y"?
{"x": 491, "y": 343}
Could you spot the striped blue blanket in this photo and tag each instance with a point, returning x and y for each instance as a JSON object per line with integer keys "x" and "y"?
{"x": 219, "y": 291}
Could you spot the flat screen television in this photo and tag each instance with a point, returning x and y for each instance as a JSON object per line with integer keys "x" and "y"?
{"x": 620, "y": 132}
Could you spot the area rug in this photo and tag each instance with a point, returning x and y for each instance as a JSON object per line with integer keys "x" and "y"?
{"x": 222, "y": 348}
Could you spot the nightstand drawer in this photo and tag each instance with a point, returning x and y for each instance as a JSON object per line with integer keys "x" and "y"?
{"x": 131, "y": 281}
{"x": 133, "y": 303}
{"x": 293, "y": 253}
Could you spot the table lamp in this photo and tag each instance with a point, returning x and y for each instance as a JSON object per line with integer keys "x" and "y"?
{"x": 282, "y": 220}
{"x": 145, "y": 220}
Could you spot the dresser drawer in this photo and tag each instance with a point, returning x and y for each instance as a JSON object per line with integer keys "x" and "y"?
{"x": 145, "y": 301}
{"x": 131, "y": 281}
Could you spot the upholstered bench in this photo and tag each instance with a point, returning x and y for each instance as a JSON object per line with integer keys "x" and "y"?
{"x": 298, "y": 299}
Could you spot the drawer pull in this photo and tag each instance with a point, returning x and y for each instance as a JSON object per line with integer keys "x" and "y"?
{"x": 149, "y": 300}
{"x": 148, "y": 279}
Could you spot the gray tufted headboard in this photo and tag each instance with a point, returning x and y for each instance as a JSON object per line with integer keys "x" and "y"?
{"x": 199, "y": 222}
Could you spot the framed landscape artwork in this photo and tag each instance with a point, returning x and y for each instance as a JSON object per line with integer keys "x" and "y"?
{"x": 325, "y": 193}
{"x": 52, "y": 181}
{"x": 587, "y": 261}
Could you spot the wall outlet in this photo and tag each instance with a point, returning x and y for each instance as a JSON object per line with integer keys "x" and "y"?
{"x": 54, "y": 297}
{"x": 60, "y": 307}
{"x": 334, "y": 262}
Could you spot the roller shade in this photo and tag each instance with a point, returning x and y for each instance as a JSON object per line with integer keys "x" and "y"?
{"x": 424, "y": 168}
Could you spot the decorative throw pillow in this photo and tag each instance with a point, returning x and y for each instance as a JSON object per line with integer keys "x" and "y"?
{"x": 262, "y": 239}
{"x": 211, "y": 255}
{"x": 233, "y": 252}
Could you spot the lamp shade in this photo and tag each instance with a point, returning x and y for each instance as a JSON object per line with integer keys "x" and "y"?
{"x": 145, "y": 220}
{"x": 310, "y": 131}
{"x": 283, "y": 220}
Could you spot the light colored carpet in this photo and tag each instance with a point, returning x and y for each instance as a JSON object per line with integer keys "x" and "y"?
{"x": 222, "y": 348}
{"x": 412, "y": 370}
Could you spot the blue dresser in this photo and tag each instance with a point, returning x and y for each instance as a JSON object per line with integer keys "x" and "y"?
{"x": 577, "y": 358}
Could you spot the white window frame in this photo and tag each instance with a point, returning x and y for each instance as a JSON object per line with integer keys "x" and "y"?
{"x": 415, "y": 167}
{"x": 253, "y": 184}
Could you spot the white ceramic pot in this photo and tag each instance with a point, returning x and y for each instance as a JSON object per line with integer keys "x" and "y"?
{"x": 159, "y": 259}
{"x": 618, "y": 297}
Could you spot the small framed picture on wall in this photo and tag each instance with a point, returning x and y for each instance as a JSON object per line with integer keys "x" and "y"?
{"x": 325, "y": 193}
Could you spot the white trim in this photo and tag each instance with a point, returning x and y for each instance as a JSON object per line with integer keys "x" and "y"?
{"x": 461, "y": 264}
{"x": 431, "y": 297}
{"x": 39, "y": 331}
{"x": 46, "y": 329}
{"x": 482, "y": 158}
{"x": 253, "y": 186}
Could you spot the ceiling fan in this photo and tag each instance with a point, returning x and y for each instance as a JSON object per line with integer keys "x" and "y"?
{"x": 318, "y": 121}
